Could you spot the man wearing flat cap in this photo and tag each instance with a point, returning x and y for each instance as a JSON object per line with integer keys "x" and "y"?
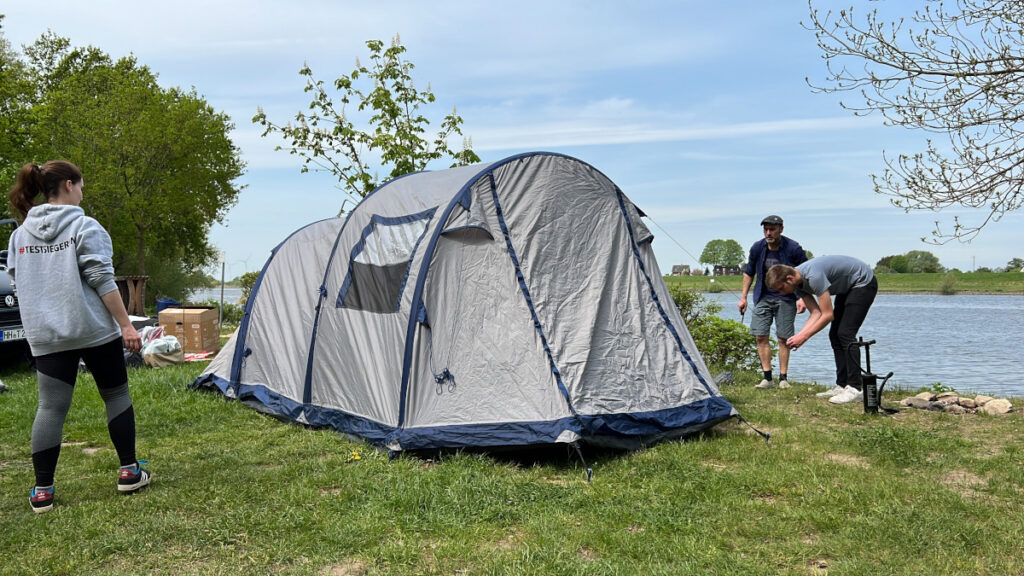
{"x": 769, "y": 305}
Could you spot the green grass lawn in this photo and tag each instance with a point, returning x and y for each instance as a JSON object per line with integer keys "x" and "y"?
{"x": 236, "y": 492}
{"x": 974, "y": 282}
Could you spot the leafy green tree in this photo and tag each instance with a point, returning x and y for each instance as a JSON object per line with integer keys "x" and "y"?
{"x": 158, "y": 163}
{"x": 718, "y": 252}
{"x": 328, "y": 139}
{"x": 912, "y": 262}
{"x": 954, "y": 70}
{"x": 248, "y": 282}
{"x": 17, "y": 94}
{"x": 923, "y": 261}
{"x": 896, "y": 263}
{"x": 1015, "y": 265}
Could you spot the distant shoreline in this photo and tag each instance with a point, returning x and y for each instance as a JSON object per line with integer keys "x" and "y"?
{"x": 967, "y": 283}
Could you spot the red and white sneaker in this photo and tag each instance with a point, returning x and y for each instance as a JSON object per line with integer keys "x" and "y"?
{"x": 133, "y": 478}
{"x": 41, "y": 499}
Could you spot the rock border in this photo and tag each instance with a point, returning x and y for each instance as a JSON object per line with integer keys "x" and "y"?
{"x": 953, "y": 403}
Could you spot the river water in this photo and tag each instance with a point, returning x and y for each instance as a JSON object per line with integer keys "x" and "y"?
{"x": 972, "y": 343}
{"x": 231, "y": 295}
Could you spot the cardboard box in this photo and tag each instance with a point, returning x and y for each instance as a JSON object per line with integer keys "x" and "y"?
{"x": 196, "y": 328}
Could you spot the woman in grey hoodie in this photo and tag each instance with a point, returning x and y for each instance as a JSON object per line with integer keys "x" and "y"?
{"x": 61, "y": 262}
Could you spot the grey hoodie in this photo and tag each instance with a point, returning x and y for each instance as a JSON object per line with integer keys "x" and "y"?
{"x": 63, "y": 263}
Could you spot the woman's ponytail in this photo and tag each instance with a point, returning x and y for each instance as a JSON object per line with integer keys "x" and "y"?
{"x": 35, "y": 180}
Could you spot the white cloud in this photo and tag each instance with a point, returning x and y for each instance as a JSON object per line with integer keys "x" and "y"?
{"x": 629, "y": 124}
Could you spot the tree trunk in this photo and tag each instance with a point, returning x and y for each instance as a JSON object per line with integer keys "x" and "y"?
{"x": 140, "y": 255}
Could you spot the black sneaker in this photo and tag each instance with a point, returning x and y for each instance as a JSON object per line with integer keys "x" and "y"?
{"x": 41, "y": 499}
{"x": 132, "y": 480}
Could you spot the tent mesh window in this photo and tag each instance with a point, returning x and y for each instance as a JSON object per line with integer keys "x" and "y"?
{"x": 379, "y": 264}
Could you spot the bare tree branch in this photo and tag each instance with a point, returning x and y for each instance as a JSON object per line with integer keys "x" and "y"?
{"x": 957, "y": 72}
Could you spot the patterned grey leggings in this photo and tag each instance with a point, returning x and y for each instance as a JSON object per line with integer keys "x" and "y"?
{"x": 57, "y": 374}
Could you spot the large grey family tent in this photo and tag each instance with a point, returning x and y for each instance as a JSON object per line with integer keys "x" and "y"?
{"x": 506, "y": 304}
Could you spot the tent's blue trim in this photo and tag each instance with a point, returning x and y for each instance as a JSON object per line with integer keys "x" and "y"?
{"x": 375, "y": 221}
{"x": 243, "y": 326}
{"x": 461, "y": 198}
{"x": 521, "y": 278}
{"x": 653, "y": 423}
{"x": 624, "y": 426}
{"x": 307, "y": 383}
{"x": 654, "y": 293}
{"x": 307, "y": 388}
{"x": 484, "y": 435}
{"x": 284, "y": 407}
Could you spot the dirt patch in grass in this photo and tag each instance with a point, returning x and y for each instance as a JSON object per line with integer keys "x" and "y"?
{"x": 962, "y": 480}
{"x": 818, "y": 567}
{"x": 717, "y": 466}
{"x": 848, "y": 460}
{"x": 510, "y": 541}
{"x": 350, "y": 568}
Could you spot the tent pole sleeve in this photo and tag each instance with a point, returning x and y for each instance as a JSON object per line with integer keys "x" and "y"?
{"x": 654, "y": 293}
{"x": 526, "y": 295}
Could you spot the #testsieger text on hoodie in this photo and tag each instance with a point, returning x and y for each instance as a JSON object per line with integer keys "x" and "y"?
{"x": 61, "y": 263}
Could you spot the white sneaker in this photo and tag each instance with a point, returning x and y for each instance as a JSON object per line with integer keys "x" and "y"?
{"x": 765, "y": 384}
{"x": 848, "y": 394}
{"x": 783, "y": 383}
{"x": 830, "y": 392}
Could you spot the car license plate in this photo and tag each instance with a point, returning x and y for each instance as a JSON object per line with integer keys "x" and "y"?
{"x": 10, "y": 335}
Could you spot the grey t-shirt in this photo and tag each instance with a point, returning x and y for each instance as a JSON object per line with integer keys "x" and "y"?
{"x": 837, "y": 274}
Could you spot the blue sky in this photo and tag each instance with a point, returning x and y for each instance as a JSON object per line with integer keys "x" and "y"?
{"x": 698, "y": 110}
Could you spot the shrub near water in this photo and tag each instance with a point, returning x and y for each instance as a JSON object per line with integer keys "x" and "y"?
{"x": 724, "y": 344}
{"x": 949, "y": 283}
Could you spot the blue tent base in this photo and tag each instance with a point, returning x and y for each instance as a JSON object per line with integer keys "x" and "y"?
{"x": 619, "y": 431}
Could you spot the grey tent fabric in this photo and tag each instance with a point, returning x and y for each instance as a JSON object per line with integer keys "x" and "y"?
{"x": 504, "y": 304}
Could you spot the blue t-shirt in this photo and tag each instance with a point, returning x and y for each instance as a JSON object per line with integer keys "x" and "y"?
{"x": 771, "y": 258}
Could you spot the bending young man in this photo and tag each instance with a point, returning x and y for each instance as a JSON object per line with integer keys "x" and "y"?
{"x": 854, "y": 285}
